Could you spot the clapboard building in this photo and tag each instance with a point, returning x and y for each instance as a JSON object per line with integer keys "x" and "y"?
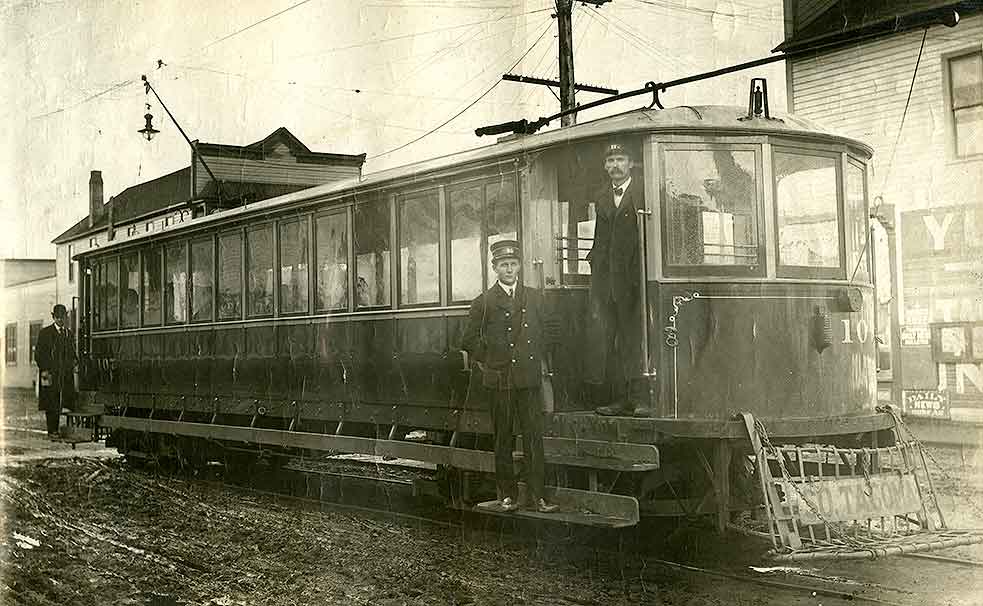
{"x": 907, "y": 78}
{"x": 218, "y": 177}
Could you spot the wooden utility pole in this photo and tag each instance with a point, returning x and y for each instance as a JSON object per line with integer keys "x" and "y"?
{"x": 564, "y": 20}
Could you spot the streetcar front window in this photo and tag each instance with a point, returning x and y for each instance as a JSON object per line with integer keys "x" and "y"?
{"x": 711, "y": 209}
{"x": 857, "y": 232}
{"x": 807, "y": 214}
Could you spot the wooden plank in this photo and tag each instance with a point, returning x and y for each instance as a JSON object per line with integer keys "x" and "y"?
{"x": 577, "y": 507}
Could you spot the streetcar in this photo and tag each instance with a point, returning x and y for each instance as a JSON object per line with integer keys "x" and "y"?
{"x": 329, "y": 321}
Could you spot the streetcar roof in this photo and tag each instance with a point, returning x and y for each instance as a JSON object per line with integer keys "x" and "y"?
{"x": 687, "y": 119}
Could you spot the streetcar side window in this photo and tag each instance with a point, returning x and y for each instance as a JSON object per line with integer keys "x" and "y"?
{"x": 331, "y": 241}
{"x": 858, "y": 232}
{"x": 419, "y": 248}
{"x": 372, "y": 254}
{"x": 202, "y": 280}
{"x": 151, "y": 286}
{"x": 176, "y": 283}
{"x": 230, "y": 276}
{"x": 711, "y": 209}
{"x": 501, "y": 219}
{"x": 293, "y": 266}
{"x": 259, "y": 271}
{"x": 129, "y": 292}
{"x": 807, "y": 215}
{"x": 464, "y": 204}
{"x": 98, "y": 295}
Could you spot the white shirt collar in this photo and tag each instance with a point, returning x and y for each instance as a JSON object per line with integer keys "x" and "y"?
{"x": 509, "y": 290}
{"x": 624, "y": 188}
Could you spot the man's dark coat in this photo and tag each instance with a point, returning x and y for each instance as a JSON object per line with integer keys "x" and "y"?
{"x": 508, "y": 335}
{"x": 55, "y": 353}
{"x": 614, "y": 257}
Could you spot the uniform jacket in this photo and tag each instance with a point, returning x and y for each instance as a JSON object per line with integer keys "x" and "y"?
{"x": 508, "y": 335}
{"x": 614, "y": 256}
{"x": 55, "y": 354}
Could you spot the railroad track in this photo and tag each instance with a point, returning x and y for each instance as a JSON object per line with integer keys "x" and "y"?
{"x": 399, "y": 495}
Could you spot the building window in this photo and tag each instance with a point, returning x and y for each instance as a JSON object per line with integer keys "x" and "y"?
{"x": 293, "y": 266}
{"x": 129, "y": 292}
{"x": 712, "y": 208}
{"x": 419, "y": 249}
{"x": 71, "y": 264}
{"x": 35, "y": 330}
{"x": 807, "y": 215}
{"x": 10, "y": 343}
{"x": 230, "y": 276}
{"x": 176, "y": 283}
{"x": 151, "y": 286}
{"x": 259, "y": 260}
{"x": 372, "y": 254}
{"x": 478, "y": 214}
{"x": 331, "y": 239}
{"x": 857, "y": 231}
{"x": 202, "y": 282}
{"x": 966, "y": 98}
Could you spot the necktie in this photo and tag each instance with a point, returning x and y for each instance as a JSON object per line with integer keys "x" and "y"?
{"x": 619, "y": 191}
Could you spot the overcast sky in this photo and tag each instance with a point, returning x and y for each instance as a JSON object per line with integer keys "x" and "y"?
{"x": 343, "y": 76}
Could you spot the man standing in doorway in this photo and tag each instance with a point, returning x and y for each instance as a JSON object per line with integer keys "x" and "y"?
{"x": 505, "y": 338}
{"x": 55, "y": 357}
{"x": 616, "y": 375}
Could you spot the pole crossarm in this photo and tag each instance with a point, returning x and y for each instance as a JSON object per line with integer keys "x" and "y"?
{"x": 194, "y": 148}
{"x": 533, "y": 80}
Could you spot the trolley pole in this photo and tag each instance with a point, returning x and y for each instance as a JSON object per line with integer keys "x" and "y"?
{"x": 564, "y": 21}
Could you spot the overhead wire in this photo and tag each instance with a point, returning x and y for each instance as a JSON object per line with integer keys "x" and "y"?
{"x": 257, "y": 23}
{"x": 894, "y": 149}
{"x": 470, "y": 105}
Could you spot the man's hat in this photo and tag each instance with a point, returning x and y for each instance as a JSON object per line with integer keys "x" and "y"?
{"x": 505, "y": 249}
{"x": 616, "y": 147}
{"x": 59, "y": 310}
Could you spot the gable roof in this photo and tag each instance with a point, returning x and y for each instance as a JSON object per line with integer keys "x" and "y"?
{"x": 135, "y": 201}
{"x": 847, "y": 20}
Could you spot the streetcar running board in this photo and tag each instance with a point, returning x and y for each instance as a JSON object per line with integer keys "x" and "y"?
{"x": 582, "y": 507}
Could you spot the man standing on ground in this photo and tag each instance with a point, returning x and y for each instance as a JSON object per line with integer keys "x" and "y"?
{"x": 505, "y": 338}
{"x": 615, "y": 297}
{"x": 55, "y": 357}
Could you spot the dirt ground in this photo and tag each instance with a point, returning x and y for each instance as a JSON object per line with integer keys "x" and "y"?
{"x": 82, "y": 527}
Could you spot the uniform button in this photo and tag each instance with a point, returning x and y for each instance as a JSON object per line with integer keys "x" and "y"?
{"x": 530, "y": 357}
{"x": 509, "y": 329}
{"x": 528, "y": 340}
{"x": 523, "y": 310}
{"x": 511, "y": 344}
{"x": 513, "y": 360}
{"x": 525, "y": 326}
{"x": 507, "y": 314}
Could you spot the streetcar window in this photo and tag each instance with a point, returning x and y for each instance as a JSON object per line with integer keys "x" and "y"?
{"x": 110, "y": 293}
{"x": 464, "y": 218}
{"x": 230, "y": 276}
{"x": 856, "y": 209}
{"x": 501, "y": 219}
{"x": 711, "y": 207}
{"x": 151, "y": 286}
{"x": 372, "y": 254}
{"x": 202, "y": 280}
{"x": 259, "y": 272}
{"x": 293, "y": 266}
{"x": 98, "y": 295}
{"x": 129, "y": 292}
{"x": 419, "y": 235}
{"x": 331, "y": 238}
{"x": 807, "y": 214}
{"x": 176, "y": 283}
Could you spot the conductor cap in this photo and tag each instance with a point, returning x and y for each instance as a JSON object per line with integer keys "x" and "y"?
{"x": 505, "y": 249}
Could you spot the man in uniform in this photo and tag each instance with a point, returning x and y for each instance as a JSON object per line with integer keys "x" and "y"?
{"x": 615, "y": 297}
{"x": 505, "y": 338}
{"x": 55, "y": 357}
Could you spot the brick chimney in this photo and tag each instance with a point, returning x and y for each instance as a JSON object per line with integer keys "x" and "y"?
{"x": 95, "y": 197}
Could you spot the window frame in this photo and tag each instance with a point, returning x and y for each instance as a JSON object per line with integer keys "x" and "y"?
{"x": 143, "y": 283}
{"x": 805, "y": 271}
{"x": 952, "y": 144}
{"x": 119, "y": 288}
{"x": 346, "y": 212}
{"x": 402, "y": 198}
{"x": 8, "y": 360}
{"x": 305, "y": 226}
{"x": 164, "y": 315}
{"x": 757, "y": 270}
{"x": 219, "y": 234}
{"x": 274, "y": 245}
{"x": 387, "y": 201}
{"x": 210, "y": 238}
{"x": 868, "y": 245}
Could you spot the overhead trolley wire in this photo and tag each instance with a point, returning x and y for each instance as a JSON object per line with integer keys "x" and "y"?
{"x": 498, "y": 80}
{"x": 252, "y": 25}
